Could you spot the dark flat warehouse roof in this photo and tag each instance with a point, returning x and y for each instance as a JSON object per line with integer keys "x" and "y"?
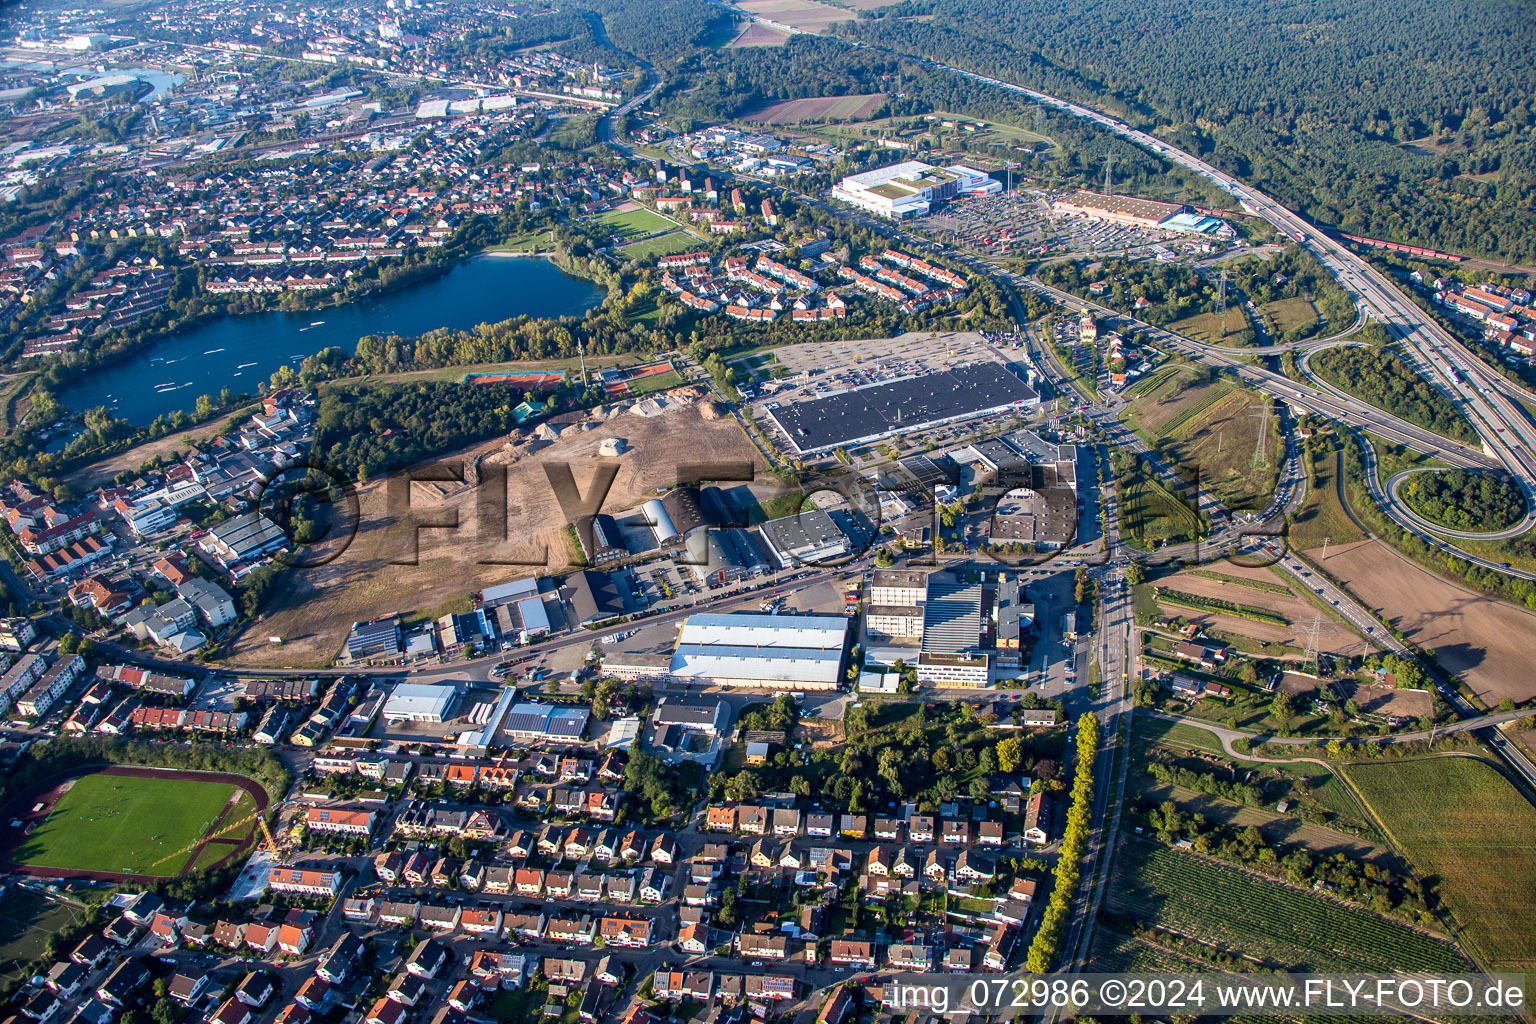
{"x": 900, "y": 405}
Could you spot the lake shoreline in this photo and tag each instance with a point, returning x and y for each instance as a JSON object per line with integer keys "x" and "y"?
{"x": 144, "y": 381}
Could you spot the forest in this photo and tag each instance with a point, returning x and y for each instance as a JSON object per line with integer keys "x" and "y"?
{"x": 713, "y": 85}
{"x": 360, "y": 431}
{"x": 1408, "y": 120}
{"x": 1464, "y": 500}
{"x": 1380, "y": 377}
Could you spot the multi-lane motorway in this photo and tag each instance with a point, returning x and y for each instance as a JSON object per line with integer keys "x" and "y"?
{"x": 1503, "y": 425}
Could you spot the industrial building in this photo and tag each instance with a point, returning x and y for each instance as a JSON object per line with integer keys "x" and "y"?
{"x": 595, "y": 596}
{"x": 1013, "y": 616}
{"x": 810, "y": 535}
{"x": 703, "y": 713}
{"x": 780, "y": 652}
{"x": 896, "y": 599}
{"x": 599, "y": 538}
{"x": 910, "y": 188}
{"x": 245, "y": 538}
{"x": 952, "y": 632}
{"x": 1139, "y": 213}
{"x": 538, "y": 723}
{"x": 517, "y": 608}
{"x": 419, "y": 702}
{"x": 1043, "y": 520}
{"x": 903, "y": 406}
{"x": 380, "y": 638}
{"x": 720, "y": 556}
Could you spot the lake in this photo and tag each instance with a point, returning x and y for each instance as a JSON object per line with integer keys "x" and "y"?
{"x": 241, "y": 352}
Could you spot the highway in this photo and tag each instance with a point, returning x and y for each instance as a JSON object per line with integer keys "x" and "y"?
{"x": 1504, "y": 426}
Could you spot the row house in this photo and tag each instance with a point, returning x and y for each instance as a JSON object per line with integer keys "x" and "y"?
{"x": 304, "y": 881}
{"x": 339, "y": 820}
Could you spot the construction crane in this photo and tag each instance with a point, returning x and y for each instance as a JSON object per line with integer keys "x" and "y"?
{"x": 272, "y": 845}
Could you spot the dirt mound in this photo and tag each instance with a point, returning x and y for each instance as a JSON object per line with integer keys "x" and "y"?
{"x": 711, "y": 410}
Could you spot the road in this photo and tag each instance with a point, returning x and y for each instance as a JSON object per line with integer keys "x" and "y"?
{"x": 1503, "y": 425}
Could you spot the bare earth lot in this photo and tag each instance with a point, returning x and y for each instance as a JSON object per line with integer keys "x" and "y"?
{"x": 820, "y": 108}
{"x": 759, "y": 35}
{"x": 802, "y": 14}
{"x": 1487, "y": 643}
{"x": 1297, "y": 610}
{"x": 316, "y": 607}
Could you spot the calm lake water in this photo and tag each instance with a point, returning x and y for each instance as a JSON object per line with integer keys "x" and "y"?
{"x": 240, "y": 352}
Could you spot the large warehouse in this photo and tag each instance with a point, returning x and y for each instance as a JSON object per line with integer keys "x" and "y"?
{"x": 419, "y": 702}
{"x": 1140, "y": 213}
{"x": 910, "y": 188}
{"x": 778, "y": 652}
{"x": 875, "y": 411}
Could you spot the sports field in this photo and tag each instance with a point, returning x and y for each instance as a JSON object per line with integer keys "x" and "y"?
{"x": 635, "y": 222}
{"x": 1463, "y": 825}
{"x": 661, "y": 245}
{"x": 125, "y": 823}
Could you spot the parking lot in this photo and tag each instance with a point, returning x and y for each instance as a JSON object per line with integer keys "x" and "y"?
{"x": 1022, "y": 223}
{"x": 839, "y": 365}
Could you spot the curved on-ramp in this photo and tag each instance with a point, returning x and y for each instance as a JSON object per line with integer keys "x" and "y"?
{"x": 1526, "y": 522}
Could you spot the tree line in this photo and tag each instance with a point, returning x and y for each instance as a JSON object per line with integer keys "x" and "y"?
{"x": 1326, "y": 105}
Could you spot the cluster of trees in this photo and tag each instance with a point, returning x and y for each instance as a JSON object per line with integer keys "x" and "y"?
{"x": 1516, "y": 589}
{"x": 1362, "y": 882}
{"x": 660, "y": 791}
{"x": 1325, "y": 105}
{"x": 661, "y": 30}
{"x": 1046, "y": 945}
{"x": 922, "y": 755}
{"x": 1204, "y": 782}
{"x": 1175, "y": 290}
{"x": 364, "y": 430}
{"x": 1382, "y": 378}
{"x": 1465, "y": 500}
{"x": 1289, "y": 274}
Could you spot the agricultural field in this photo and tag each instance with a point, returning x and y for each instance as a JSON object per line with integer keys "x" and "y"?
{"x": 1273, "y": 597}
{"x": 1323, "y": 515}
{"x": 1149, "y": 512}
{"x": 1282, "y": 927}
{"x": 1232, "y": 328}
{"x": 1286, "y": 315}
{"x": 1487, "y": 643}
{"x": 661, "y": 245}
{"x": 758, "y": 35}
{"x": 819, "y": 108}
{"x": 125, "y": 824}
{"x": 1113, "y": 953}
{"x": 1461, "y": 823}
{"x": 630, "y": 221}
{"x": 806, "y": 15}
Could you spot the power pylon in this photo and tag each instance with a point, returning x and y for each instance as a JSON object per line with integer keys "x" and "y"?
{"x": 1221, "y": 294}
{"x": 1260, "y": 452}
{"x": 1109, "y": 167}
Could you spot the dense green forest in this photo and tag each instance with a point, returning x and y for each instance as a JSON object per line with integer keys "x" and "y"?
{"x": 1465, "y": 501}
{"x": 1408, "y": 120}
{"x": 362, "y": 430}
{"x": 1381, "y": 378}
{"x": 718, "y": 84}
